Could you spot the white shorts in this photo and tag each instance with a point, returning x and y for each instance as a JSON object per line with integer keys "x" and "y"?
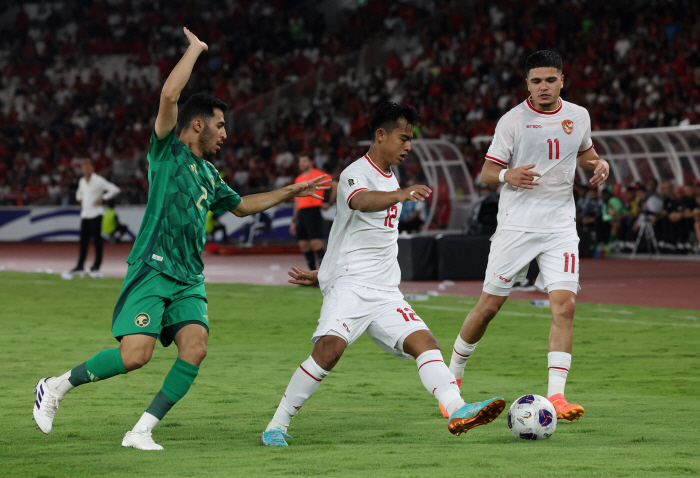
{"x": 349, "y": 310}
{"x": 511, "y": 254}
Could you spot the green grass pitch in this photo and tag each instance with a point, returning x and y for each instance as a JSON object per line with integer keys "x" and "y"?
{"x": 636, "y": 371}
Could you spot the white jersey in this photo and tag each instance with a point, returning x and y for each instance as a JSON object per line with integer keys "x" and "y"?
{"x": 89, "y": 192}
{"x": 552, "y": 141}
{"x": 362, "y": 246}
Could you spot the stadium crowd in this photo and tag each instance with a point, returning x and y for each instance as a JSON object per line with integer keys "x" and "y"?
{"x": 80, "y": 82}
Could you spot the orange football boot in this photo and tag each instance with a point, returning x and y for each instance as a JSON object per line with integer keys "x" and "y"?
{"x": 565, "y": 410}
{"x": 442, "y": 409}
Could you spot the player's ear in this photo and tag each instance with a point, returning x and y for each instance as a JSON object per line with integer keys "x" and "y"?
{"x": 380, "y": 135}
{"x": 197, "y": 125}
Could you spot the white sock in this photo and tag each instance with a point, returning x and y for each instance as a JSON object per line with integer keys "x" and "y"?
{"x": 559, "y": 364}
{"x": 147, "y": 421}
{"x": 438, "y": 380}
{"x": 460, "y": 354}
{"x": 60, "y": 385}
{"x": 303, "y": 384}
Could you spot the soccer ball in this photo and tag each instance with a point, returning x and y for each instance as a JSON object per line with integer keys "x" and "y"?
{"x": 532, "y": 417}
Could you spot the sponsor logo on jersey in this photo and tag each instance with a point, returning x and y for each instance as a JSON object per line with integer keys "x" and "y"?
{"x": 142, "y": 320}
{"x": 352, "y": 182}
{"x": 505, "y": 280}
{"x": 534, "y": 126}
{"x": 156, "y": 257}
{"x": 568, "y": 126}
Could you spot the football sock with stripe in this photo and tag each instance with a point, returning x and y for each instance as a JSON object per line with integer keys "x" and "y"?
{"x": 559, "y": 364}
{"x": 105, "y": 364}
{"x": 438, "y": 380}
{"x": 303, "y": 384}
{"x": 460, "y": 354}
{"x": 310, "y": 260}
{"x": 176, "y": 384}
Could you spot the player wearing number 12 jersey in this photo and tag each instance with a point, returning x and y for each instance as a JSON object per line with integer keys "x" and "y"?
{"x": 535, "y": 150}
{"x": 163, "y": 294}
{"x": 359, "y": 279}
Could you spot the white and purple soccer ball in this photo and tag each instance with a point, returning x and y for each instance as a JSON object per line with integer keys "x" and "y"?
{"x": 532, "y": 417}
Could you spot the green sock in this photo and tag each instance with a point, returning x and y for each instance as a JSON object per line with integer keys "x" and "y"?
{"x": 103, "y": 365}
{"x": 176, "y": 385}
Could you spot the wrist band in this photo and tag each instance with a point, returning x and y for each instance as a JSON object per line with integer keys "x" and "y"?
{"x": 502, "y": 176}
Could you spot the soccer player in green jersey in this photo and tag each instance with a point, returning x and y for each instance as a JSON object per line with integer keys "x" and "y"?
{"x": 163, "y": 293}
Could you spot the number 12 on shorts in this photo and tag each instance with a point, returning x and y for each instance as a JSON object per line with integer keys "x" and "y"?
{"x": 566, "y": 262}
{"x": 408, "y": 314}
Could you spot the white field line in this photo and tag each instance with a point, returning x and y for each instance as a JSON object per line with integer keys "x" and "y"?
{"x": 577, "y": 317}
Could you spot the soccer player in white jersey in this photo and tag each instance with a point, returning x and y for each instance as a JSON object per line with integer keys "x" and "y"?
{"x": 535, "y": 151}
{"x": 359, "y": 278}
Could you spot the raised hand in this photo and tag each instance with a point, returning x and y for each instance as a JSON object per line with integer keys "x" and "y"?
{"x": 522, "y": 177}
{"x": 302, "y": 277}
{"x": 601, "y": 171}
{"x": 194, "y": 41}
{"x": 415, "y": 193}
{"x": 309, "y": 188}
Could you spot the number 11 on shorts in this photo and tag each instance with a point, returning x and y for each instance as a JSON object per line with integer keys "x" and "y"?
{"x": 566, "y": 262}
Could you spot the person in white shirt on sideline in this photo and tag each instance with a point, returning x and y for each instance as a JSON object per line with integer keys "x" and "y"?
{"x": 535, "y": 151}
{"x": 359, "y": 278}
{"x": 92, "y": 191}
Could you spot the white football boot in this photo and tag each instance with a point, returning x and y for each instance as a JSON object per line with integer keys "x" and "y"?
{"x": 141, "y": 439}
{"x": 45, "y": 406}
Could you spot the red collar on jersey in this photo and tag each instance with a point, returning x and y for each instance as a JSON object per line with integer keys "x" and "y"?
{"x": 377, "y": 168}
{"x": 529, "y": 103}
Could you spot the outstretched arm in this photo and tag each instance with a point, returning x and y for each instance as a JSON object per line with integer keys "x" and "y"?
{"x": 256, "y": 203}
{"x": 167, "y": 111}
{"x": 375, "y": 201}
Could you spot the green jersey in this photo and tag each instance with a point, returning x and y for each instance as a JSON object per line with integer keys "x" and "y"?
{"x": 182, "y": 189}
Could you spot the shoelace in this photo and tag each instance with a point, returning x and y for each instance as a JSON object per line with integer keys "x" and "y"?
{"x": 277, "y": 434}
{"x": 51, "y": 405}
{"x": 147, "y": 436}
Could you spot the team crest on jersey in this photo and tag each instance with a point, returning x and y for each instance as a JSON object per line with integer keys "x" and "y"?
{"x": 568, "y": 126}
{"x": 142, "y": 320}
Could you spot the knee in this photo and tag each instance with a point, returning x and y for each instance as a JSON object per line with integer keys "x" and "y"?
{"x": 565, "y": 310}
{"x": 326, "y": 355}
{"x": 488, "y": 311}
{"x": 135, "y": 359}
{"x": 195, "y": 353}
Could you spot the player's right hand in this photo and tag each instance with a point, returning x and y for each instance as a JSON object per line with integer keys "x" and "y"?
{"x": 302, "y": 277}
{"x": 415, "y": 193}
{"x": 194, "y": 41}
{"x": 522, "y": 177}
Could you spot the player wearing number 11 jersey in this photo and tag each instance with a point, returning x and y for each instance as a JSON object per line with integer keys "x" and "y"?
{"x": 359, "y": 279}
{"x": 535, "y": 150}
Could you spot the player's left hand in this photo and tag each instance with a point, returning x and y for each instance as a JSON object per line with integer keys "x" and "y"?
{"x": 302, "y": 277}
{"x": 309, "y": 188}
{"x": 601, "y": 171}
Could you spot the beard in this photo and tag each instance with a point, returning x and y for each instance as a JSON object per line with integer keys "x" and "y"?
{"x": 205, "y": 142}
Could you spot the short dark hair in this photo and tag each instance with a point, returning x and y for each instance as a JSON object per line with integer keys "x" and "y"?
{"x": 200, "y": 105}
{"x": 387, "y": 116}
{"x": 543, "y": 59}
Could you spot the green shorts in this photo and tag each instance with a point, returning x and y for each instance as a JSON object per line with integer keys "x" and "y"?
{"x": 152, "y": 303}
